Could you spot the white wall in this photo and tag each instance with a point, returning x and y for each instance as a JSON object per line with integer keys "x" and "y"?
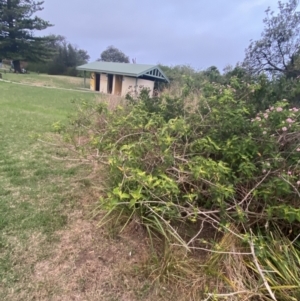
{"x": 132, "y": 84}
{"x": 128, "y": 85}
{"x": 103, "y": 83}
{"x": 144, "y": 83}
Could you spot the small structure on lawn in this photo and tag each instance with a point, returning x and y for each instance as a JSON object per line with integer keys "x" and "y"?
{"x": 122, "y": 78}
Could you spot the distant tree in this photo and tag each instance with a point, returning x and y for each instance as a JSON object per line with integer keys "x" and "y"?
{"x": 213, "y": 74}
{"x": 65, "y": 57}
{"x": 277, "y": 52}
{"x": 178, "y": 72}
{"x": 18, "y": 23}
{"x": 82, "y": 57}
{"x": 113, "y": 54}
{"x": 238, "y": 71}
{"x": 71, "y": 59}
{"x": 55, "y": 41}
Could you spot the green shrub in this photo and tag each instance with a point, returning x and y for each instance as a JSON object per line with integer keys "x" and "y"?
{"x": 173, "y": 161}
{"x": 208, "y": 155}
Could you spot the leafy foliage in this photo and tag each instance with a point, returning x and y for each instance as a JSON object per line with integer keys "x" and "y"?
{"x": 277, "y": 52}
{"x": 18, "y": 23}
{"x": 177, "y": 161}
{"x": 212, "y": 155}
{"x": 65, "y": 58}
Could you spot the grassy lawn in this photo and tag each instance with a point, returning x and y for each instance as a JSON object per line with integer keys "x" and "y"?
{"x": 35, "y": 190}
{"x": 44, "y": 80}
{"x": 50, "y": 247}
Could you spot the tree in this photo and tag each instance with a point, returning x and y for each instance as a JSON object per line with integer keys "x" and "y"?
{"x": 277, "y": 52}
{"x": 18, "y": 23}
{"x": 64, "y": 57}
{"x": 82, "y": 57}
{"x": 238, "y": 71}
{"x": 113, "y": 54}
{"x": 213, "y": 74}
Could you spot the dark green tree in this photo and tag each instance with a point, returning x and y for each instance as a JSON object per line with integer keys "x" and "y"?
{"x": 237, "y": 71}
{"x": 64, "y": 59}
{"x": 72, "y": 57}
{"x": 113, "y": 54}
{"x": 213, "y": 74}
{"x": 277, "y": 52}
{"x": 18, "y": 25}
{"x": 82, "y": 57}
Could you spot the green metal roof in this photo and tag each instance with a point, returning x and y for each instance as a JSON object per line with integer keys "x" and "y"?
{"x": 134, "y": 70}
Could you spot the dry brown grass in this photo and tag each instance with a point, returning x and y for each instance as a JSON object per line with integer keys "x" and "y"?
{"x": 85, "y": 263}
{"x": 112, "y": 101}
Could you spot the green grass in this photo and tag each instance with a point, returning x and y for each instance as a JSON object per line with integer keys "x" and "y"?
{"x": 35, "y": 190}
{"x": 44, "y": 80}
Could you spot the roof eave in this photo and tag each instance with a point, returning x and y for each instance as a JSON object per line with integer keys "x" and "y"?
{"x": 157, "y": 78}
{"x": 82, "y": 68}
{"x": 106, "y": 72}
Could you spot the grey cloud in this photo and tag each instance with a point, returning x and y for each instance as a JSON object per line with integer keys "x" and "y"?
{"x": 199, "y": 33}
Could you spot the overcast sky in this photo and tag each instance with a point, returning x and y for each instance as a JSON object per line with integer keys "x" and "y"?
{"x": 200, "y": 33}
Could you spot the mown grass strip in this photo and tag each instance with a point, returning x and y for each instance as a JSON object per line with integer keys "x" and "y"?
{"x": 34, "y": 189}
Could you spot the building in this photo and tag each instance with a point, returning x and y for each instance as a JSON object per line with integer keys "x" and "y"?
{"x": 122, "y": 78}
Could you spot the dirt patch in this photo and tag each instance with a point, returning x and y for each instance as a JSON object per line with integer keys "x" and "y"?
{"x": 88, "y": 265}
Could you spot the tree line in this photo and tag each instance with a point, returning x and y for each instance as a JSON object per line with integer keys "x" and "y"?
{"x": 276, "y": 54}
{"x": 52, "y": 54}
{"x": 65, "y": 58}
